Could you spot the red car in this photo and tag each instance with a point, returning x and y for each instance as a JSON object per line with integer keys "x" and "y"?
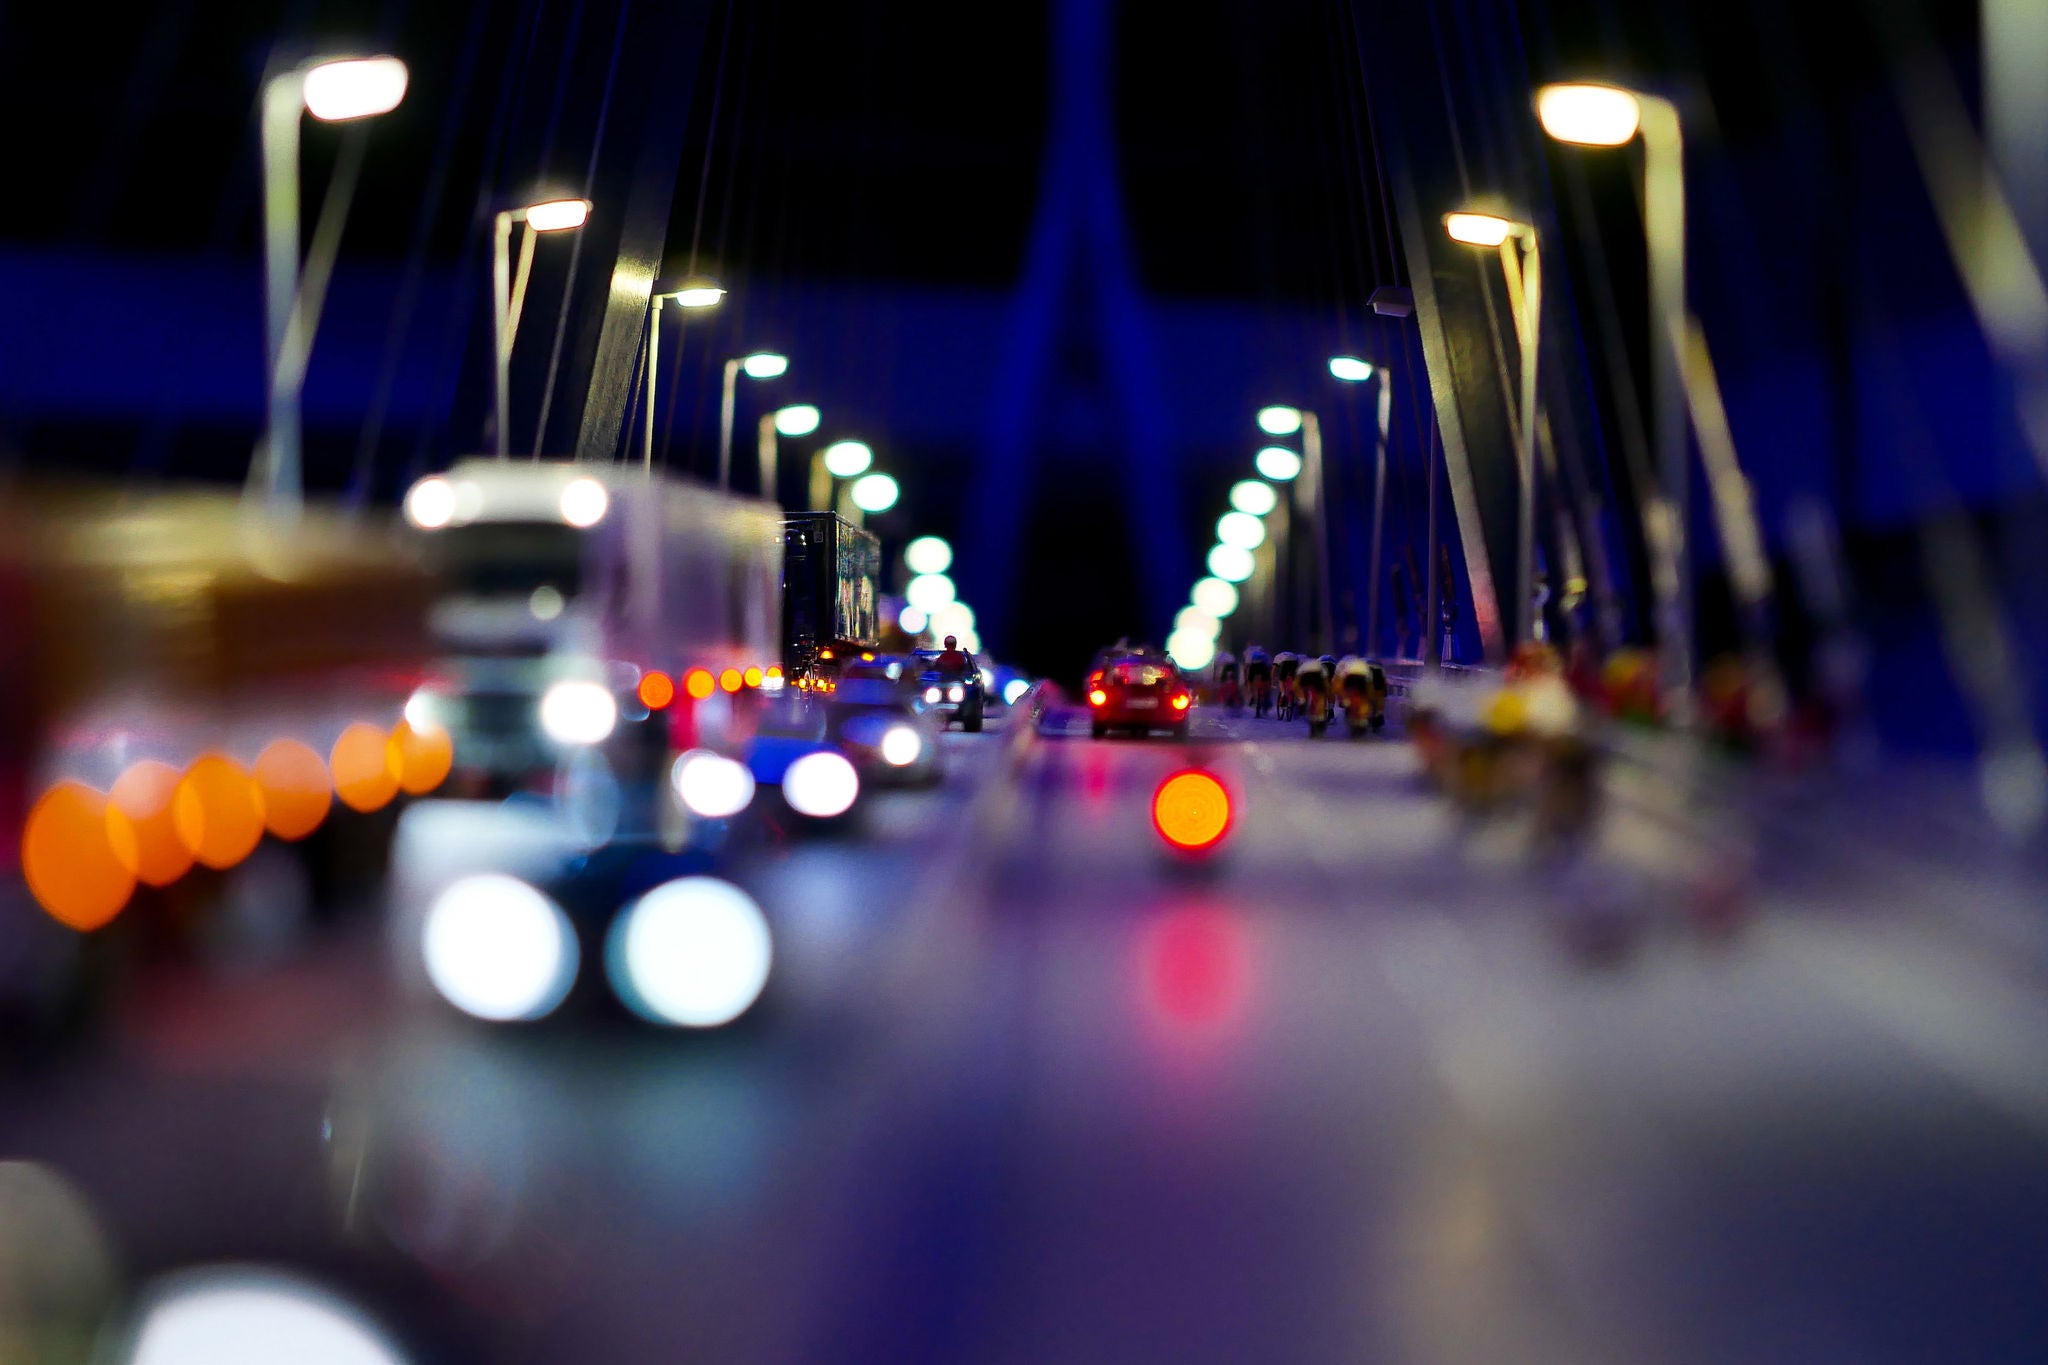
{"x": 1136, "y": 692}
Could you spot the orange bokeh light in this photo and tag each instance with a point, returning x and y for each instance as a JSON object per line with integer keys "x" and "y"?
{"x": 699, "y": 683}
{"x": 657, "y": 689}
{"x": 1191, "y": 810}
{"x": 423, "y": 757}
{"x": 75, "y": 850}
{"x": 730, "y": 680}
{"x": 365, "y": 767}
{"x": 145, "y": 795}
{"x": 219, "y": 811}
{"x": 752, "y": 677}
{"x": 297, "y": 793}
{"x": 774, "y": 670}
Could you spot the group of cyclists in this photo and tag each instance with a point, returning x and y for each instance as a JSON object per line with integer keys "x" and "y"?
{"x": 1315, "y": 688}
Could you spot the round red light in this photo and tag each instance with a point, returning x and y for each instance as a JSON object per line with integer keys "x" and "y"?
{"x": 1191, "y": 810}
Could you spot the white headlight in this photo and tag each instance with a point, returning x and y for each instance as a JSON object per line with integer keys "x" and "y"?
{"x": 1013, "y": 689}
{"x": 900, "y": 746}
{"x": 956, "y": 693}
{"x": 498, "y": 949}
{"x": 424, "y": 711}
{"x": 584, "y": 502}
{"x": 821, "y": 785}
{"x": 711, "y": 785}
{"x": 932, "y": 694}
{"x": 578, "y": 713}
{"x": 241, "y": 1316}
{"x": 431, "y": 503}
{"x": 693, "y": 952}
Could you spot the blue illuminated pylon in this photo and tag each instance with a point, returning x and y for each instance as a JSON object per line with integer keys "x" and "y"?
{"x": 1079, "y": 280}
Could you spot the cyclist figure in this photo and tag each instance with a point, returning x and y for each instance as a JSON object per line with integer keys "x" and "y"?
{"x": 1225, "y": 678}
{"x": 1288, "y": 700}
{"x": 1258, "y": 678}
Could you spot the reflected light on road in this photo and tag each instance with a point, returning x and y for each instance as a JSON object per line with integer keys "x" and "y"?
{"x": 1192, "y": 966}
{"x": 235, "y": 1315}
{"x": 497, "y": 949}
{"x": 1191, "y": 810}
{"x": 694, "y": 953}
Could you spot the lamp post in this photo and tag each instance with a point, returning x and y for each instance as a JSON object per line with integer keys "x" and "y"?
{"x": 759, "y": 365}
{"x": 1593, "y": 114}
{"x": 694, "y": 293}
{"x": 1352, "y": 370}
{"x": 1521, "y": 263}
{"x": 798, "y": 419}
{"x": 508, "y": 295}
{"x": 331, "y": 90}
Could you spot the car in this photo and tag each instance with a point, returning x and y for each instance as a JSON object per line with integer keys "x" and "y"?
{"x": 879, "y": 724}
{"x": 952, "y": 694}
{"x": 1137, "y": 692}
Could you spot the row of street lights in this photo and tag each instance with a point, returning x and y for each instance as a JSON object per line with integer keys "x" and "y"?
{"x": 1593, "y": 114}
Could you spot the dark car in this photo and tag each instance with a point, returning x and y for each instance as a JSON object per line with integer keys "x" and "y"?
{"x": 951, "y": 693}
{"x": 879, "y": 724}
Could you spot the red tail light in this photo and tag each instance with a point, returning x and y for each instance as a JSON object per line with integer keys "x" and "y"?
{"x": 1180, "y": 701}
{"x": 1097, "y": 697}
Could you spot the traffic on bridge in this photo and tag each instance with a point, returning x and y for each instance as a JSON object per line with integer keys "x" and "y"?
{"x": 781, "y": 683}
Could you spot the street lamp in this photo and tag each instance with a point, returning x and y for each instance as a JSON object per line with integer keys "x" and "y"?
{"x": 1254, "y": 496}
{"x": 1352, "y": 370}
{"x": 331, "y": 90}
{"x": 797, "y": 419}
{"x": 840, "y": 460}
{"x": 1595, "y": 114}
{"x": 1521, "y": 263}
{"x": 874, "y": 492}
{"x": 928, "y": 554}
{"x": 508, "y": 295}
{"x": 693, "y": 293}
{"x": 1308, "y": 497}
{"x": 759, "y": 365}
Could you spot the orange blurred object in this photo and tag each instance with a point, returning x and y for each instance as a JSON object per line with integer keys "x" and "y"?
{"x": 219, "y": 811}
{"x": 1191, "y": 810}
{"x": 365, "y": 767}
{"x": 423, "y": 758}
{"x": 297, "y": 792}
{"x": 699, "y": 683}
{"x": 752, "y": 677}
{"x": 657, "y": 689}
{"x": 75, "y": 851}
{"x": 730, "y": 680}
{"x": 144, "y": 794}
{"x": 774, "y": 671}
{"x": 1097, "y": 697}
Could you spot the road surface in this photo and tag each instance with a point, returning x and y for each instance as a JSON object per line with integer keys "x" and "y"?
{"x": 1371, "y": 1084}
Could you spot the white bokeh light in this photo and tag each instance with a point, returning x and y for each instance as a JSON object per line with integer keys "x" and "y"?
{"x": 928, "y": 554}
{"x": 584, "y": 502}
{"x": 695, "y": 952}
{"x": 928, "y": 592}
{"x": 821, "y": 785}
{"x": 498, "y": 949}
{"x": 1215, "y": 596}
{"x": 431, "y": 503}
{"x": 1191, "y": 651}
{"x": 242, "y": 1315}
{"x": 1230, "y": 563}
{"x": 1241, "y": 529}
{"x": 1278, "y": 463}
{"x": 712, "y": 786}
{"x": 1254, "y": 496}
